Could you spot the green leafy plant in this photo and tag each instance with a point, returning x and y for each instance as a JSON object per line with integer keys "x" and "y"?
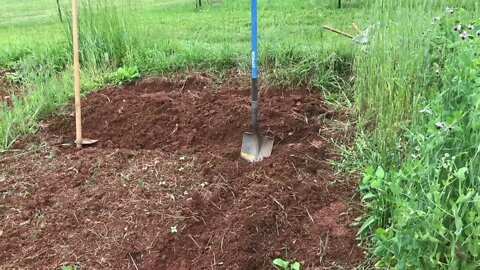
{"x": 70, "y": 267}
{"x": 141, "y": 182}
{"x": 286, "y": 265}
{"x": 126, "y": 74}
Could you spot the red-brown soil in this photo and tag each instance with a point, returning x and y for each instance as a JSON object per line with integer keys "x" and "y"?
{"x": 169, "y": 156}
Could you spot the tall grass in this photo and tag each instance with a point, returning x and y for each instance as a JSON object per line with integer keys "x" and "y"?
{"x": 46, "y": 70}
{"x": 105, "y": 37}
{"x": 417, "y": 93}
{"x": 392, "y": 77}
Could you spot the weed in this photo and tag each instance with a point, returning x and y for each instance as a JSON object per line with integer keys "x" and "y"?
{"x": 286, "y": 265}
{"x": 50, "y": 156}
{"x": 70, "y": 267}
{"x": 123, "y": 75}
{"x": 141, "y": 182}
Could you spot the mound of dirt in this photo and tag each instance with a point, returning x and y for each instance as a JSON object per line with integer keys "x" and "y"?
{"x": 159, "y": 114}
{"x": 165, "y": 188}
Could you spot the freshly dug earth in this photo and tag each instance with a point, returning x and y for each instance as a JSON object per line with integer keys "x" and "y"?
{"x": 165, "y": 187}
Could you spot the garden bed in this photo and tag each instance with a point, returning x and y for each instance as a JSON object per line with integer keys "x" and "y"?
{"x": 165, "y": 187}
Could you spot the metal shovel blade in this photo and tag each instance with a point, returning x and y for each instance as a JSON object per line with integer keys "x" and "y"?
{"x": 86, "y": 141}
{"x": 256, "y": 147}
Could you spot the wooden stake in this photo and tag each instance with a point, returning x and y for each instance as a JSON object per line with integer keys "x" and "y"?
{"x": 76, "y": 74}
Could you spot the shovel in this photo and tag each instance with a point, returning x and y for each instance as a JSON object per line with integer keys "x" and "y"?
{"x": 255, "y": 147}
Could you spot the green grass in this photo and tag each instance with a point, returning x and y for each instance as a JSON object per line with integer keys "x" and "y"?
{"x": 160, "y": 37}
{"x": 419, "y": 132}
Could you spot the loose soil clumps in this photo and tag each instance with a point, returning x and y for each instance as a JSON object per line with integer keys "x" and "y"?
{"x": 165, "y": 187}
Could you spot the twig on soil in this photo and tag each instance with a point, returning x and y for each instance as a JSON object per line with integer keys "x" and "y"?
{"x": 134, "y": 264}
{"x": 208, "y": 243}
{"x": 295, "y": 168}
{"x": 322, "y": 248}
{"x": 221, "y": 176}
{"x": 224, "y": 234}
{"x": 174, "y": 130}
{"x": 109, "y": 155}
{"x": 281, "y": 206}
{"x": 214, "y": 261}
{"x": 103, "y": 95}
{"x": 193, "y": 215}
{"x": 216, "y": 206}
{"x": 72, "y": 169}
{"x": 183, "y": 86}
{"x": 76, "y": 218}
{"x": 191, "y": 237}
{"x": 310, "y": 216}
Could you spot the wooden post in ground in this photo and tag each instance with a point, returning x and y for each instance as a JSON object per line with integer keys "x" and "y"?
{"x": 339, "y": 3}
{"x": 76, "y": 74}
{"x": 198, "y": 3}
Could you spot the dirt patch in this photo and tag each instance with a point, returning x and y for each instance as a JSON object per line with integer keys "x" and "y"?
{"x": 166, "y": 188}
{"x": 7, "y": 90}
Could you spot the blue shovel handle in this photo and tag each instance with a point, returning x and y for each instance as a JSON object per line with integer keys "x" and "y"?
{"x": 254, "y": 40}
{"x": 254, "y": 68}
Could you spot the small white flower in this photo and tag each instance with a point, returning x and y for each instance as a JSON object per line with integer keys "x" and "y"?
{"x": 173, "y": 229}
